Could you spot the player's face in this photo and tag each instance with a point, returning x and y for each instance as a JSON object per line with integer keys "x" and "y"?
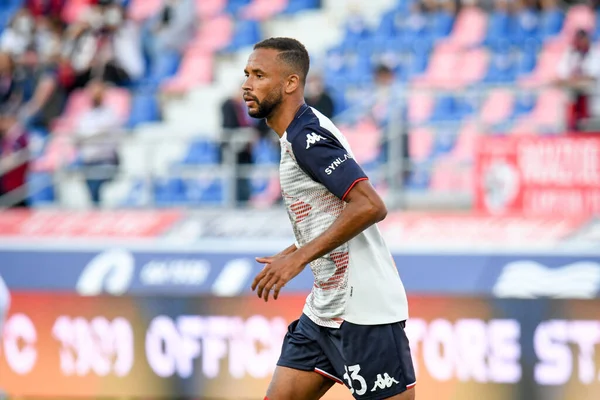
{"x": 263, "y": 87}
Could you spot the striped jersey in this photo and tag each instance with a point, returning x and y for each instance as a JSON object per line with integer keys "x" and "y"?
{"x": 358, "y": 282}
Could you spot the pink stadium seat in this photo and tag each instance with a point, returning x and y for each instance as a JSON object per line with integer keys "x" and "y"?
{"x": 195, "y": 70}
{"x": 74, "y": 9}
{"x": 420, "y": 143}
{"x": 470, "y": 27}
{"x": 214, "y": 34}
{"x": 473, "y": 65}
{"x": 498, "y": 106}
{"x": 263, "y": 9}
{"x": 79, "y": 102}
{"x": 450, "y": 176}
{"x": 364, "y": 139}
{"x": 269, "y": 197}
{"x": 578, "y": 17}
{"x": 524, "y": 126}
{"x": 60, "y": 151}
{"x": 466, "y": 142}
{"x": 550, "y": 109}
{"x": 209, "y": 8}
{"x": 442, "y": 69}
{"x": 546, "y": 69}
{"x": 140, "y": 10}
{"x": 420, "y": 106}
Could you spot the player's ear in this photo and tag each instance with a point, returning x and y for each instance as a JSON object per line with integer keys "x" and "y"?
{"x": 292, "y": 83}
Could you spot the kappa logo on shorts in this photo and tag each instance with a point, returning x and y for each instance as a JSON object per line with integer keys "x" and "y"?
{"x": 384, "y": 382}
{"x": 312, "y": 138}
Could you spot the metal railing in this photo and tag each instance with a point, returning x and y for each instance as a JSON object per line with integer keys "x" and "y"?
{"x": 393, "y": 171}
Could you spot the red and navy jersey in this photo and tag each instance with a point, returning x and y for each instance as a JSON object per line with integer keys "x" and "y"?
{"x": 358, "y": 281}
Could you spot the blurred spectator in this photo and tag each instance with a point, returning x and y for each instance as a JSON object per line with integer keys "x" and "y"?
{"x": 97, "y": 139}
{"x": 578, "y": 71}
{"x": 44, "y": 92}
{"x": 234, "y": 114}
{"x": 10, "y": 91}
{"x": 51, "y": 8}
{"x": 105, "y": 45}
{"x": 14, "y": 155}
{"x": 172, "y": 28}
{"x": 317, "y": 96}
{"x": 17, "y": 38}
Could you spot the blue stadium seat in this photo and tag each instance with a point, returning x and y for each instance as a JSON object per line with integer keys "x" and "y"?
{"x": 137, "y": 194}
{"x": 387, "y": 26}
{"x": 164, "y": 66}
{"x": 41, "y": 188}
{"x": 203, "y": 191}
{"x": 524, "y": 104}
{"x": 168, "y": 192}
{"x": 526, "y": 62}
{"x": 420, "y": 177}
{"x": 295, "y": 6}
{"x": 444, "y": 141}
{"x": 444, "y": 109}
{"x": 551, "y": 23}
{"x": 234, "y": 6}
{"x": 499, "y": 25}
{"x": 246, "y": 33}
{"x": 440, "y": 24}
{"x": 502, "y": 67}
{"x": 202, "y": 152}
{"x": 144, "y": 108}
{"x": 524, "y": 25}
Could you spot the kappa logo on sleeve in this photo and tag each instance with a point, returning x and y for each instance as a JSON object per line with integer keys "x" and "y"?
{"x": 312, "y": 138}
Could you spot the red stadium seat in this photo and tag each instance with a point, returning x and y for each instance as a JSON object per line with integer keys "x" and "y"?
{"x": 364, "y": 139}
{"x": 473, "y": 66}
{"x": 420, "y": 107}
{"x": 140, "y": 10}
{"x": 209, "y": 8}
{"x": 470, "y": 27}
{"x": 578, "y": 17}
{"x": 442, "y": 69}
{"x": 74, "y": 9}
{"x": 420, "y": 143}
{"x": 214, "y": 34}
{"x": 263, "y": 9}
{"x": 196, "y": 69}
{"x": 546, "y": 68}
{"x": 498, "y": 106}
{"x": 466, "y": 142}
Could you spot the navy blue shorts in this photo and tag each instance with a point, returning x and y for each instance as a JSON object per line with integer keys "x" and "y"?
{"x": 373, "y": 361}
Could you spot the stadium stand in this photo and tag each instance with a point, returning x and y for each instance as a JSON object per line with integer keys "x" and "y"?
{"x": 458, "y": 73}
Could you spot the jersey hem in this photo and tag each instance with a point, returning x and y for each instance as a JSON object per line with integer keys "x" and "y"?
{"x": 353, "y": 184}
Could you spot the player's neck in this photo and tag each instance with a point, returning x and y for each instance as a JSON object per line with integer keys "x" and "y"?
{"x": 283, "y": 117}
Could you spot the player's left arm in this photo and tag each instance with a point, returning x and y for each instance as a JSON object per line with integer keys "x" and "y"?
{"x": 329, "y": 163}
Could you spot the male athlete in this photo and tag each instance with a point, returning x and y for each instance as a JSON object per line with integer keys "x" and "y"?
{"x": 352, "y": 327}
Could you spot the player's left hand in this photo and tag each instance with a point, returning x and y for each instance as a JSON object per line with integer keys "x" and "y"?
{"x": 278, "y": 271}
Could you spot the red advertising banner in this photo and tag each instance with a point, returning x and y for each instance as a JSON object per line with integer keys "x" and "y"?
{"x": 529, "y": 175}
{"x": 88, "y": 224}
{"x": 65, "y": 346}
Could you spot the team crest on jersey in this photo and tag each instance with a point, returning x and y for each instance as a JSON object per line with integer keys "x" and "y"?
{"x": 312, "y": 138}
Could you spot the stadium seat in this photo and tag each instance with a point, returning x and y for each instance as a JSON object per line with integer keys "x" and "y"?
{"x": 295, "y": 6}
{"x": 549, "y": 112}
{"x": 464, "y": 150}
{"x": 245, "y": 33}
{"x": 444, "y": 140}
{"x": 144, "y": 108}
{"x": 364, "y": 139}
{"x": 202, "y": 152}
{"x": 470, "y": 27}
{"x": 498, "y": 26}
{"x": 262, "y": 10}
{"x": 196, "y": 69}
{"x": 472, "y": 67}
{"x": 578, "y": 17}
{"x": 441, "y": 24}
{"x": 546, "y": 67}
{"x": 164, "y": 66}
{"x": 551, "y": 23}
{"x": 420, "y": 144}
{"x": 498, "y": 107}
{"x": 419, "y": 178}
{"x": 209, "y": 8}
{"x": 448, "y": 176}
{"x": 203, "y": 191}
{"x": 420, "y": 107}
{"x": 40, "y": 187}
{"x": 234, "y": 6}
{"x": 441, "y": 70}
{"x": 140, "y": 10}
{"x": 214, "y": 33}
{"x": 74, "y": 9}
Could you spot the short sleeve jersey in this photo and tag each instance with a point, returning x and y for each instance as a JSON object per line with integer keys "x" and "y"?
{"x": 357, "y": 282}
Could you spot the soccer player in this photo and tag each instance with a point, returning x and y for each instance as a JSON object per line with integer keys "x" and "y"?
{"x": 351, "y": 330}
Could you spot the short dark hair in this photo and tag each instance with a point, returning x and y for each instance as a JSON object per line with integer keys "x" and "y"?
{"x": 291, "y": 52}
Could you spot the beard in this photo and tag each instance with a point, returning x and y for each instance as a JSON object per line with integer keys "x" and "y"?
{"x": 267, "y": 105}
